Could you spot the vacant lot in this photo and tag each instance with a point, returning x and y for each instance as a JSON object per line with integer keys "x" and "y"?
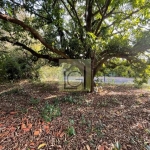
{"x": 37, "y": 116}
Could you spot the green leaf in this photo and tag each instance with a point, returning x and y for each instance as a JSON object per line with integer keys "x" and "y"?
{"x": 71, "y": 131}
{"x": 92, "y": 35}
{"x": 117, "y": 145}
{"x": 9, "y": 11}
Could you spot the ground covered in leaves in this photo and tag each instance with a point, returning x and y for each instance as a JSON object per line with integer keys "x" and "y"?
{"x": 37, "y": 116}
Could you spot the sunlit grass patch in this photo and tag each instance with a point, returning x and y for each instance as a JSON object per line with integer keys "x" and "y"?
{"x": 47, "y": 73}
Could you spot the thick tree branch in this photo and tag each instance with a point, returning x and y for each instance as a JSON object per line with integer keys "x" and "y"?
{"x": 89, "y": 15}
{"x": 34, "y": 53}
{"x": 140, "y": 48}
{"x": 99, "y": 64}
{"x": 107, "y": 56}
{"x": 33, "y": 32}
{"x": 106, "y": 6}
{"x": 142, "y": 45}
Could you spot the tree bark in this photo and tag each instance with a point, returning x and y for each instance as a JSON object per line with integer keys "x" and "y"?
{"x": 92, "y": 81}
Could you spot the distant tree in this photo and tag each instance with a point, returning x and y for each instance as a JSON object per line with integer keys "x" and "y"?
{"x": 87, "y": 29}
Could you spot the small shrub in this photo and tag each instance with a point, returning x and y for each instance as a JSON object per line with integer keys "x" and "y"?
{"x": 115, "y": 101}
{"x": 103, "y": 103}
{"x": 34, "y": 101}
{"x": 50, "y": 112}
{"x": 71, "y": 131}
{"x": 14, "y": 67}
{"x": 69, "y": 99}
{"x": 83, "y": 120}
{"x": 98, "y": 128}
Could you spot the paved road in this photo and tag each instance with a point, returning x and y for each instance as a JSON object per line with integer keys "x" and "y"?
{"x": 117, "y": 80}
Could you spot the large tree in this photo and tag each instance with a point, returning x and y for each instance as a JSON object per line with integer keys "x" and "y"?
{"x": 100, "y": 30}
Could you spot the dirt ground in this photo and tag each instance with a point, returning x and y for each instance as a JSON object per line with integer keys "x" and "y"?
{"x": 115, "y": 118}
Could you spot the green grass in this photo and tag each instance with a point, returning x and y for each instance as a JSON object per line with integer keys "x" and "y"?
{"x": 47, "y": 73}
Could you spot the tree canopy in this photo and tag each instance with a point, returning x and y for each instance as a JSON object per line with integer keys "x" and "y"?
{"x": 82, "y": 29}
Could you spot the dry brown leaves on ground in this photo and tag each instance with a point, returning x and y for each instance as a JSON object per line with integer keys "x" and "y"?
{"x": 117, "y": 118}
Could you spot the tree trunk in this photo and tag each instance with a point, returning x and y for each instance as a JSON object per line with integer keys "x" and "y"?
{"x": 92, "y": 73}
{"x": 92, "y": 81}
